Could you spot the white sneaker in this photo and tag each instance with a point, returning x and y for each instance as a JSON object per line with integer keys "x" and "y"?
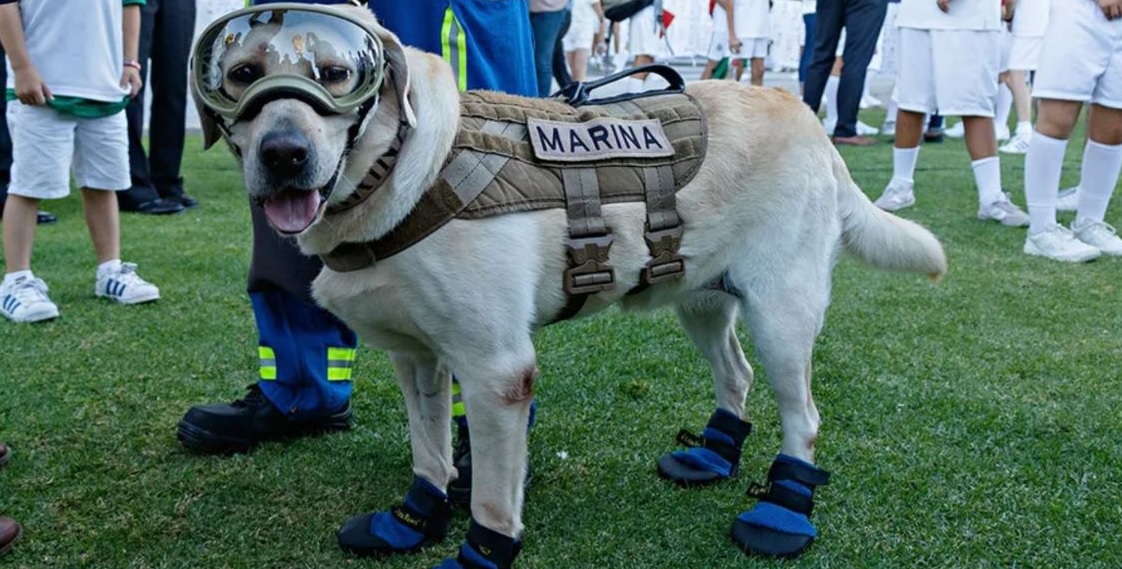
{"x": 1001, "y": 132}
{"x": 956, "y": 131}
{"x": 866, "y": 130}
{"x": 1005, "y": 211}
{"x": 829, "y": 126}
{"x": 1059, "y": 244}
{"x": 869, "y": 102}
{"x": 126, "y": 287}
{"x": 888, "y": 128}
{"x": 1098, "y": 235}
{"x": 1068, "y": 200}
{"x": 896, "y": 197}
{"x": 1018, "y": 145}
{"x": 25, "y": 300}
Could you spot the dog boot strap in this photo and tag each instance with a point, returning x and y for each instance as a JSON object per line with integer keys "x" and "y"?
{"x": 710, "y": 457}
{"x": 423, "y": 511}
{"x": 723, "y": 426}
{"x": 779, "y": 524}
{"x": 487, "y": 549}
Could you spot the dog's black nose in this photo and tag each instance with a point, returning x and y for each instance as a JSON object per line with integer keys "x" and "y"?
{"x": 285, "y": 153}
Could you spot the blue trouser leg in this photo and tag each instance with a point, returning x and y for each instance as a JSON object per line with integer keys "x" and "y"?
{"x": 546, "y": 26}
{"x": 828, "y": 22}
{"x": 863, "y": 22}
{"x": 306, "y": 353}
{"x": 808, "y": 47}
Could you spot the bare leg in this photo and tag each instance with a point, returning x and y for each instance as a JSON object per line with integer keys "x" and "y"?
{"x": 909, "y": 128}
{"x": 19, "y": 231}
{"x": 104, "y": 223}
{"x": 980, "y": 140}
{"x": 758, "y": 71}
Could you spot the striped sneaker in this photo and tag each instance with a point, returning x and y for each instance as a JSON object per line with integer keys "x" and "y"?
{"x": 125, "y": 286}
{"x": 25, "y": 300}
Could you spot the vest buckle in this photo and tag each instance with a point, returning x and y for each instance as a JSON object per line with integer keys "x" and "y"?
{"x": 666, "y": 264}
{"x": 589, "y": 271}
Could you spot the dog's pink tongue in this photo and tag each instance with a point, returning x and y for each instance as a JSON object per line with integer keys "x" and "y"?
{"x": 292, "y": 211}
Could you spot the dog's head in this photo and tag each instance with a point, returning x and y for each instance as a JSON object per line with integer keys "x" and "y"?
{"x": 292, "y": 88}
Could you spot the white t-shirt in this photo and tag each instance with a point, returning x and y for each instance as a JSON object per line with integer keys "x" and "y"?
{"x": 750, "y": 17}
{"x": 963, "y": 15}
{"x": 1031, "y": 17}
{"x": 77, "y": 48}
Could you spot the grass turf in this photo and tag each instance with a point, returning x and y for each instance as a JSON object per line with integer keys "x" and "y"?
{"x": 969, "y": 424}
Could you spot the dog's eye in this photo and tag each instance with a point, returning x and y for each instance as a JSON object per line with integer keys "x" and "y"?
{"x": 244, "y": 74}
{"x": 334, "y": 74}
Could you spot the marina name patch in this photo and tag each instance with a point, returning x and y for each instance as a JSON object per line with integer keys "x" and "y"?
{"x": 598, "y": 139}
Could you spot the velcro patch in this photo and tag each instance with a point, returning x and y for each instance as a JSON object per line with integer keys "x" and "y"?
{"x": 598, "y": 139}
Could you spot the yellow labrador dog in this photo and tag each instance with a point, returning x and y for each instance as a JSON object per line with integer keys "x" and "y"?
{"x": 767, "y": 213}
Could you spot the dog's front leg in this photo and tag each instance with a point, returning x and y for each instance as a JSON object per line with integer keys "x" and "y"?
{"x": 423, "y": 517}
{"x": 497, "y": 393}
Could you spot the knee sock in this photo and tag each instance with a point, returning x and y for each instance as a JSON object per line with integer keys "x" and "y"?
{"x": 987, "y": 176}
{"x": 1101, "y": 164}
{"x": 890, "y": 112}
{"x": 832, "y": 99}
{"x": 904, "y": 165}
{"x": 1043, "y": 163}
{"x": 1024, "y": 128}
{"x": 1004, "y": 105}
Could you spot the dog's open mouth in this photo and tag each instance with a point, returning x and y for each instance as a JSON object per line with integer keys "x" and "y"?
{"x": 292, "y": 211}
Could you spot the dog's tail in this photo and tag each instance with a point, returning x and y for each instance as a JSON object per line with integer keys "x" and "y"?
{"x": 882, "y": 239}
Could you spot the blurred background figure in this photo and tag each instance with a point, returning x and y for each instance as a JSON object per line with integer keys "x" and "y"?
{"x": 586, "y": 34}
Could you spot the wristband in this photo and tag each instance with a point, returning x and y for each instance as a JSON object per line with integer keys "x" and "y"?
{"x": 133, "y": 64}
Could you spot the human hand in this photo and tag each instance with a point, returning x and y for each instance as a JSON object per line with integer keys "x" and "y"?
{"x": 944, "y": 5}
{"x": 735, "y": 45}
{"x": 1008, "y": 7}
{"x": 1112, "y": 9}
{"x": 30, "y": 88}
{"x": 130, "y": 79}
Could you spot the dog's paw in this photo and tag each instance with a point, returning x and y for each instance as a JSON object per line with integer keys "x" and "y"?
{"x": 712, "y": 457}
{"x": 485, "y": 549}
{"x": 420, "y": 521}
{"x": 779, "y": 525}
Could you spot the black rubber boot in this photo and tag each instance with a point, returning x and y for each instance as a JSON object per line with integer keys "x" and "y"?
{"x": 241, "y": 426}
{"x": 711, "y": 457}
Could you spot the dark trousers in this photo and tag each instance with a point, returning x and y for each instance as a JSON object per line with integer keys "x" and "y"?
{"x": 862, "y": 20}
{"x": 560, "y": 64}
{"x": 166, "y": 29}
{"x": 5, "y": 136}
{"x": 808, "y": 46}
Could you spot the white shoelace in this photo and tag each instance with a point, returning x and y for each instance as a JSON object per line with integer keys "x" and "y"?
{"x": 30, "y": 291}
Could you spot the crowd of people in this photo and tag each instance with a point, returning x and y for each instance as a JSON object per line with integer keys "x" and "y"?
{"x": 975, "y": 59}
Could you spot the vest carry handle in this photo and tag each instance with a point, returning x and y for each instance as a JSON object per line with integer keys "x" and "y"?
{"x": 579, "y": 93}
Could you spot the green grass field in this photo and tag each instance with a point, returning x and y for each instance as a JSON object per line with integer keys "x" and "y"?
{"x": 974, "y": 423}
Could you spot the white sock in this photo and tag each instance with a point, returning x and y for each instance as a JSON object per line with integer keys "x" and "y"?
{"x": 904, "y": 165}
{"x": 111, "y": 266}
{"x": 1101, "y": 164}
{"x": 868, "y": 81}
{"x": 1004, "y": 104}
{"x": 832, "y": 99}
{"x": 1024, "y": 128}
{"x": 1043, "y": 165}
{"x": 890, "y": 112}
{"x": 987, "y": 176}
{"x": 11, "y": 277}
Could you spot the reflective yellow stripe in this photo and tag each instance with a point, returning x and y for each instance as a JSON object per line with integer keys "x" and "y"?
{"x": 339, "y": 362}
{"x": 341, "y": 354}
{"x": 457, "y": 401}
{"x": 453, "y": 44}
{"x": 268, "y": 362}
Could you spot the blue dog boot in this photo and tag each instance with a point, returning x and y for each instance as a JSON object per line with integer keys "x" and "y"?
{"x": 420, "y": 521}
{"x": 485, "y": 549}
{"x": 779, "y": 525}
{"x": 712, "y": 457}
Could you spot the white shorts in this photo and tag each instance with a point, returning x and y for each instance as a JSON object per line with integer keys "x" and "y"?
{"x": 952, "y": 72}
{"x": 47, "y": 144}
{"x": 750, "y": 48}
{"x": 1025, "y": 53}
{"x": 578, "y": 37}
{"x": 1006, "y": 50}
{"x": 1081, "y": 59}
{"x": 643, "y": 36}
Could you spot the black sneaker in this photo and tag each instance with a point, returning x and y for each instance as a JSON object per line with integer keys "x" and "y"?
{"x": 241, "y": 426}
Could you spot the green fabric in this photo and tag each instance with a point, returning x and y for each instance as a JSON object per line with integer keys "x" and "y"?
{"x": 82, "y": 108}
{"x": 134, "y": 2}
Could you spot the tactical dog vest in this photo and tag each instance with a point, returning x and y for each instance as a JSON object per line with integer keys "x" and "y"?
{"x": 515, "y": 154}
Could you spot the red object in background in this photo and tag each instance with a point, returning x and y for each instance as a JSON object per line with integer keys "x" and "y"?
{"x": 713, "y": 5}
{"x": 667, "y": 17}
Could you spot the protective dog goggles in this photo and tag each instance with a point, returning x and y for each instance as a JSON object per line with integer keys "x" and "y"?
{"x": 322, "y": 55}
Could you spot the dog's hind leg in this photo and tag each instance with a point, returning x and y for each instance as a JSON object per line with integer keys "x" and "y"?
{"x": 784, "y": 311}
{"x": 709, "y": 319}
{"x": 423, "y": 517}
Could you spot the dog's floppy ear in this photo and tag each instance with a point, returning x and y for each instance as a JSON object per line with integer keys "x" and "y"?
{"x": 211, "y": 132}
{"x": 399, "y": 71}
